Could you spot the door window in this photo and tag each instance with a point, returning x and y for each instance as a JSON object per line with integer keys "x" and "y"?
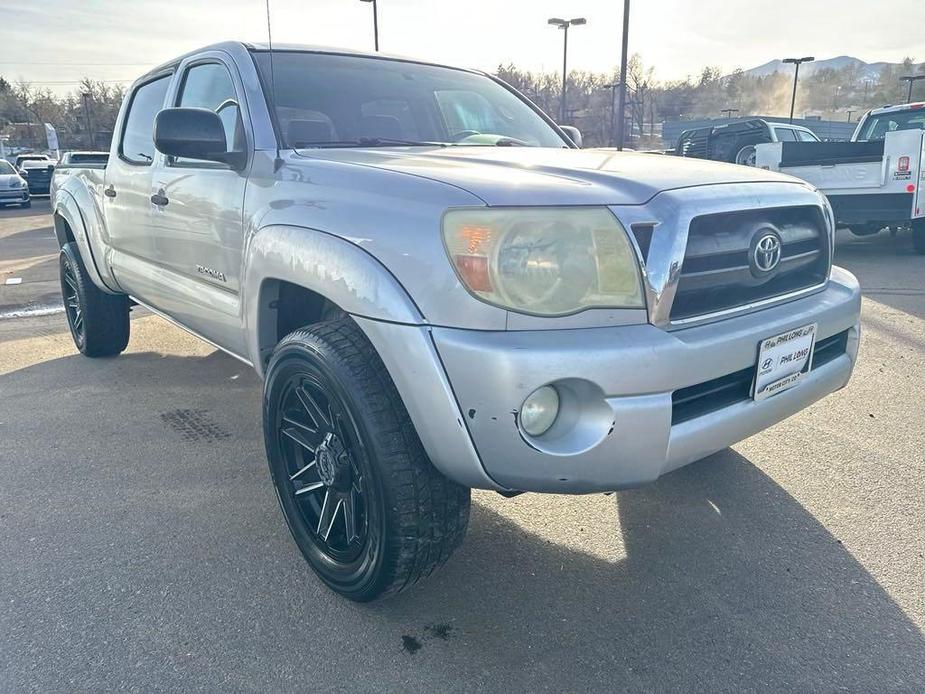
{"x": 807, "y": 137}
{"x": 785, "y": 135}
{"x": 209, "y": 86}
{"x": 137, "y": 146}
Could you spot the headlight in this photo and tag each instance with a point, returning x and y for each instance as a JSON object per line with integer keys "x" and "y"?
{"x": 546, "y": 261}
{"x": 17, "y": 183}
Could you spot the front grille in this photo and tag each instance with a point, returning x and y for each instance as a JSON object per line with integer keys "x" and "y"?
{"x": 719, "y": 273}
{"x": 709, "y": 396}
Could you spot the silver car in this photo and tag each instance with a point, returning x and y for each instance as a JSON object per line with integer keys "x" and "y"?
{"x": 14, "y": 189}
{"x": 442, "y": 292}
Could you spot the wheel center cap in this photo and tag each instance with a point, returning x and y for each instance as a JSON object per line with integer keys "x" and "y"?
{"x": 326, "y": 462}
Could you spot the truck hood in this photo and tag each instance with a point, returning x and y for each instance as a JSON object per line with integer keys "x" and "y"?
{"x": 550, "y": 176}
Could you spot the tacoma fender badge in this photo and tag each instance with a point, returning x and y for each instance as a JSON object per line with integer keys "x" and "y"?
{"x": 214, "y": 274}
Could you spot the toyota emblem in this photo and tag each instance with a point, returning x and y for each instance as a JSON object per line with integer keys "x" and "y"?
{"x": 766, "y": 255}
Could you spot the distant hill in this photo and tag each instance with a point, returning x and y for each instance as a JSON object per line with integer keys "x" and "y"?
{"x": 872, "y": 70}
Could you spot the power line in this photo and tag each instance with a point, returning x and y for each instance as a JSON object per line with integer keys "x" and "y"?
{"x": 62, "y": 82}
{"x": 16, "y": 62}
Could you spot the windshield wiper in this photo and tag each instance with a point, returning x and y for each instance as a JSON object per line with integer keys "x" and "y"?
{"x": 371, "y": 142}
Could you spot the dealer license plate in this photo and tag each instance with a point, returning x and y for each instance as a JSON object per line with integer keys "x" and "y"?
{"x": 783, "y": 360}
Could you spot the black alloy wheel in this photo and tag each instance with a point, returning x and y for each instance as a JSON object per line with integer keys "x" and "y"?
{"x": 364, "y": 504}
{"x": 321, "y": 447}
{"x": 71, "y": 295}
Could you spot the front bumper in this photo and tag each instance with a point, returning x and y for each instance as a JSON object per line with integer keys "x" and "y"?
{"x": 621, "y": 381}
{"x": 14, "y": 196}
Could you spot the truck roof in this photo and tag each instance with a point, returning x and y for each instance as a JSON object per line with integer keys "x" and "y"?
{"x": 238, "y": 47}
{"x": 898, "y": 107}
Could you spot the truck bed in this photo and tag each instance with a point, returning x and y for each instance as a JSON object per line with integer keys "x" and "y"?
{"x": 830, "y": 153}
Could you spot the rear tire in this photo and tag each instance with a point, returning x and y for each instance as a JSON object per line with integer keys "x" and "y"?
{"x": 747, "y": 156}
{"x": 918, "y": 236}
{"x": 99, "y": 322}
{"x": 338, "y": 437}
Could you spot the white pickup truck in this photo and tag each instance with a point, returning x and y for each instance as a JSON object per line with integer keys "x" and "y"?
{"x": 873, "y": 181}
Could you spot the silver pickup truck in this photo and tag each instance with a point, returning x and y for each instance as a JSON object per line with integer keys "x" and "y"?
{"x": 442, "y": 292}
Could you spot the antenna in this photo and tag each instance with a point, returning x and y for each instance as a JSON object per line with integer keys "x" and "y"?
{"x": 278, "y": 162}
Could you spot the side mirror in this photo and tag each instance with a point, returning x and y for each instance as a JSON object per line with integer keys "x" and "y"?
{"x": 574, "y": 134}
{"x": 196, "y": 133}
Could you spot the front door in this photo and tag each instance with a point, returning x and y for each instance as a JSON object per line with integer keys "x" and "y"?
{"x": 196, "y": 224}
{"x": 127, "y": 191}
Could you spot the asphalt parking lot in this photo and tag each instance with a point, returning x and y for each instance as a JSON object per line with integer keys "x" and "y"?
{"x": 141, "y": 546}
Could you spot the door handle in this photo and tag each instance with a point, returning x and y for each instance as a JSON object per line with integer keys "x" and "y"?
{"x": 159, "y": 200}
{"x": 110, "y": 192}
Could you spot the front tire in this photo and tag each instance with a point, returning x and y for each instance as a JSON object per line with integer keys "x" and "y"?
{"x": 363, "y": 502}
{"x": 99, "y": 322}
{"x": 918, "y": 236}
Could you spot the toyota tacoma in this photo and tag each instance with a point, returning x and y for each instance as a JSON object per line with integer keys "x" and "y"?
{"x": 441, "y": 291}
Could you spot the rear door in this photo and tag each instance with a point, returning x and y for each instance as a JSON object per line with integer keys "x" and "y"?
{"x": 197, "y": 227}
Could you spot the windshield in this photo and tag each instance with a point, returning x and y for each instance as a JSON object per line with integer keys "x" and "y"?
{"x": 876, "y": 127}
{"x": 325, "y": 100}
{"x": 6, "y": 168}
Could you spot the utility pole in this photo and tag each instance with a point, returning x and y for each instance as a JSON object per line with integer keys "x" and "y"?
{"x": 86, "y": 99}
{"x": 564, "y": 24}
{"x": 911, "y": 79}
{"x": 621, "y": 108}
{"x": 375, "y": 23}
{"x": 796, "y": 75}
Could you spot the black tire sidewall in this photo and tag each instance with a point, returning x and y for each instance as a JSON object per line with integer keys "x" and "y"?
{"x": 363, "y": 577}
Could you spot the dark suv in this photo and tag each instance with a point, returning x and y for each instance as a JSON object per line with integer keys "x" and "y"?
{"x": 735, "y": 142}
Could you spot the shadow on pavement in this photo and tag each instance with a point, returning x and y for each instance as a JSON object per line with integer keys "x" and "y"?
{"x": 29, "y": 243}
{"x": 889, "y": 270}
{"x": 40, "y": 205}
{"x": 727, "y": 583}
{"x": 132, "y": 555}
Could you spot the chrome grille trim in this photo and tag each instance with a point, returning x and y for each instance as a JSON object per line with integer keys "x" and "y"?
{"x": 670, "y": 214}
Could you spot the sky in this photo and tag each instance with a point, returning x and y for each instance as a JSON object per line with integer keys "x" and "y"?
{"x": 54, "y": 43}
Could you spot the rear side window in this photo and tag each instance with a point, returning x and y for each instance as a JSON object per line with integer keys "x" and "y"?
{"x": 137, "y": 144}
{"x": 209, "y": 86}
{"x": 806, "y": 137}
{"x": 785, "y": 135}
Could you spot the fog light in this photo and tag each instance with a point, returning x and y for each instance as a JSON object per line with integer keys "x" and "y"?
{"x": 539, "y": 410}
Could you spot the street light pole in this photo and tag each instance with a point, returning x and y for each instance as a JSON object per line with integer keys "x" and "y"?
{"x": 613, "y": 110}
{"x": 621, "y": 108}
{"x": 796, "y": 75}
{"x": 564, "y": 24}
{"x": 375, "y": 22}
{"x": 911, "y": 79}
